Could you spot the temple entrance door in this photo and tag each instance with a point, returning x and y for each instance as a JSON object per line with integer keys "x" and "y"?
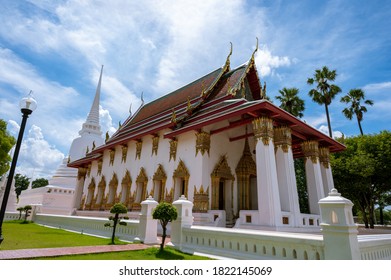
{"x": 221, "y": 194}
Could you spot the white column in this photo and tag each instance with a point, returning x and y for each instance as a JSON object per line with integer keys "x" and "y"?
{"x": 184, "y": 208}
{"x": 313, "y": 175}
{"x": 325, "y": 168}
{"x": 81, "y": 176}
{"x": 269, "y": 206}
{"x": 338, "y": 228}
{"x": 289, "y": 197}
{"x": 148, "y": 226}
{"x": 201, "y": 164}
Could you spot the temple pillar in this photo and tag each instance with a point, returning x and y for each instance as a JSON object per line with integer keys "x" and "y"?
{"x": 81, "y": 176}
{"x": 325, "y": 168}
{"x": 269, "y": 206}
{"x": 313, "y": 175}
{"x": 289, "y": 197}
{"x": 201, "y": 163}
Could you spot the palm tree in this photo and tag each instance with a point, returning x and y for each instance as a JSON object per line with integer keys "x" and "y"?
{"x": 324, "y": 92}
{"x": 354, "y": 97}
{"x": 291, "y": 102}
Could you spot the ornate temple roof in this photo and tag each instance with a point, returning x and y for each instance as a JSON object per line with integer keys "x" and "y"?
{"x": 223, "y": 94}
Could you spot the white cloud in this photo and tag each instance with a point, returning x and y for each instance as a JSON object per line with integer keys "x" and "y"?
{"x": 37, "y": 158}
{"x": 106, "y": 121}
{"x": 325, "y": 130}
{"x": 377, "y": 87}
{"x": 267, "y": 62}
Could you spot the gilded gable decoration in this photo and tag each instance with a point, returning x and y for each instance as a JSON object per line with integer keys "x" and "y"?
{"x": 90, "y": 195}
{"x": 155, "y": 144}
{"x": 324, "y": 156}
{"x": 245, "y": 169}
{"x": 181, "y": 170}
{"x": 263, "y": 129}
{"x": 124, "y": 152}
{"x": 183, "y": 173}
{"x": 142, "y": 176}
{"x": 139, "y": 146}
{"x": 112, "y": 195}
{"x": 222, "y": 169}
{"x": 160, "y": 174}
{"x": 221, "y": 172}
{"x": 173, "y": 148}
{"x": 311, "y": 150}
{"x": 202, "y": 142}
{"x": 282, "y": 138}
{"x": 112, "y": 156}
{"x": 126, "y": 179}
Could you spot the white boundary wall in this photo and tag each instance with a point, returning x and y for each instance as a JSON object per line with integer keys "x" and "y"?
{"x": 337, "y": 225}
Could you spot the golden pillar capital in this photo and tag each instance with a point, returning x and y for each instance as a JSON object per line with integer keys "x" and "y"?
{"x": 283, "y": 138}
{"x": 324, "y": 156}
{"x": 173, "y": 149}
{"x": 263, "y": 129}
{"x": 202, "y": 142}
{"x": 311, "y": 150}
{"x": 81, "y": 173}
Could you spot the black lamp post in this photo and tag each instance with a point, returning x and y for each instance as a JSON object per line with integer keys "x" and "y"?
{"x": 27, "y": 106}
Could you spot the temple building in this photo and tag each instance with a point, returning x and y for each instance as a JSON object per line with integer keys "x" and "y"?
{"x": 219, "y": 142}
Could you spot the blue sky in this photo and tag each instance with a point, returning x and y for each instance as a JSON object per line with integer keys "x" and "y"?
{"x": 56, "y": 49}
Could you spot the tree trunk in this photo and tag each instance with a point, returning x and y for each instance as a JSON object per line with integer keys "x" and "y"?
{"x": 164, "y": 226}
{"x": 328, "y": 120}
{"x": 115, "y": 220}
{"x": 359, "y": 126}
{"x": 371, "y": 215}
{"x": 364, "y": 215}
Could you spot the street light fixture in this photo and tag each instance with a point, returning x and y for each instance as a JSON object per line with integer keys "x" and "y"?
{"x": 27, "y": 106}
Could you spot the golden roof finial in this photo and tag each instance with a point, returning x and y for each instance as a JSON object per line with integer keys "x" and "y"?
{"x": 173, "y": 116}
{"x": 203, "y": 89}
{"x": 228, "y": 62}
{"x": 188, "y": 104}
{"x": 256, "y": 49}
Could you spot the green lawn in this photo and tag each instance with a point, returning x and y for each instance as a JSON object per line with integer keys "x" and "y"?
{"x": 23, "y": 236}
{"x": 18, "y": 235}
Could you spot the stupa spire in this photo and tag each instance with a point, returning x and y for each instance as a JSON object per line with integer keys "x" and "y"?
{"x": 92, "y": 123}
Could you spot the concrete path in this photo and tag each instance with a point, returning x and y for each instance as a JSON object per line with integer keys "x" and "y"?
{"x": 51, "y": 252}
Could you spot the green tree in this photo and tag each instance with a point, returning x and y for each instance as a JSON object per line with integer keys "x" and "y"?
{"x": 165, "y": 213}
{"x": 291, "y": 102}
{"x": 6, "y": 143}
{"x": 38, "y": 183}
{"x": 324, "y": 92}
{"x": 353, "y": 99}
{"x": 116, "y": 209}
{"x": 362, "y": 172}
{"x": 20, "y": 209}
{"x": 27, "y": 211}
{"x": 21, "y": 183}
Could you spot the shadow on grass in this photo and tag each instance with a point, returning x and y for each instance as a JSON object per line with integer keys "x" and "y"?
{"x": 166, "y": 254}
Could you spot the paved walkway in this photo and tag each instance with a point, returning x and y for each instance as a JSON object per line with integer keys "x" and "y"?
{"x": 52, "y": 252}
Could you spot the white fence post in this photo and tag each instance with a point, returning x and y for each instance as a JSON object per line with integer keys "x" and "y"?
{"x": 339, "y": 230}
{"x": 148, "y": 226}
{"x": 184, "y": 219}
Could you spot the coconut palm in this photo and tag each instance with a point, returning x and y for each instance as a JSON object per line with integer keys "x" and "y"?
{"x": 354, "y": 98}
{"x": 291, "y": 102}
{"x": 324, "y": 92}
